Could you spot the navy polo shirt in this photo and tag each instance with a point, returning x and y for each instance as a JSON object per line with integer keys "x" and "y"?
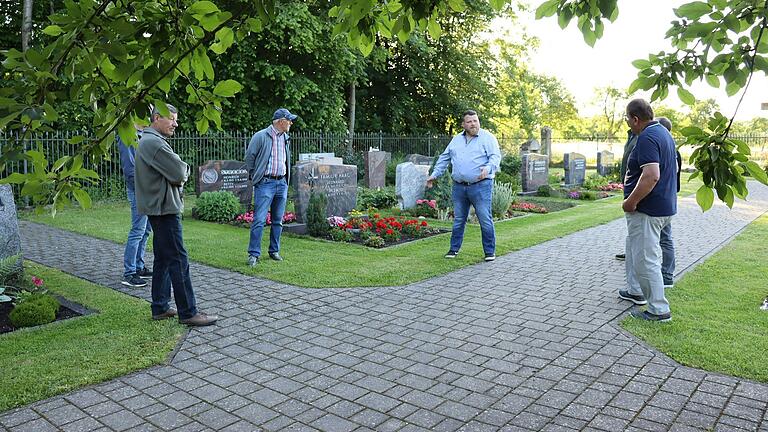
{"x": 654, "y": 145}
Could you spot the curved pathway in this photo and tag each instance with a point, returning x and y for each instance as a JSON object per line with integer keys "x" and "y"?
{"x": 528, "y": 343}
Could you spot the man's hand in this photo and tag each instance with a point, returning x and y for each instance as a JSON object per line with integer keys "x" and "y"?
{"x": 628, "y": 206}
{"x": 430, "y": 182}
{"x": 483, "y": 174}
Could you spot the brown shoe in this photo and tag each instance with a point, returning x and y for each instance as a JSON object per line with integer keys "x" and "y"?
{"x": 170, "y": 313}
{"x": 199, "y": 320}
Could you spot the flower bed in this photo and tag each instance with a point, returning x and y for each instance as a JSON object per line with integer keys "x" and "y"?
{"x": 612, "y": 187}
{"x": 527, "y": 207}
{"x": 32, "y": 297}
{"x": 377, "y": 231}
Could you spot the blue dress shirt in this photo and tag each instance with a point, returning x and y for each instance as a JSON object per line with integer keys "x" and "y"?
{"x": 469, "y": 155}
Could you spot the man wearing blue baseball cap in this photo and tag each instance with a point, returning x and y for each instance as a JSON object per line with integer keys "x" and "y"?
{"x": 268, "y": 160}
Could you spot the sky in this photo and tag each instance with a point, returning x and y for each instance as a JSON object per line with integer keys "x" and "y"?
{"x": 638, "y": 31}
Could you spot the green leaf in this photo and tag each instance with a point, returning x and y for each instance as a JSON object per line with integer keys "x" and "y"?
{"x": 497, "y": 4}
{"x": 53, "y": 30}
{"x": 457, "y": 5}
{"x": 434, "y": 30}
{"x": 728, "y": 198}
{"x": 83, "y": 198}
{"x": 14, "y": 178}
{"x": 693, "y": 10}
{"x": 713, "y": 80}
{"x": 732, "y": 88}
{"x": 705, "y": 197}
{"x": 9, "y": 118}
{"x": 546, "y": 9}
{"x": 227, "y": 88}
{"x": 589, "y": 37}
{"x": 756, "y": 172}
{"x": 685, "y": 96}
{"x": 203, "y": 8}
{"x": 254, "y": 24}
{"x": 642, "y": 64}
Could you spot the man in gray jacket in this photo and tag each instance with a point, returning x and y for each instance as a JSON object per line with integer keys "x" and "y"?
{"x": 160, "y": 177}
{"x": 268, "y": 160}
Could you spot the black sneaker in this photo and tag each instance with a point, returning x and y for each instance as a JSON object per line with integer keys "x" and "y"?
{"x": 647, "y": 316}
{"x": 451, "y": 254}
{"x": 490, "y": 257}
{"x": 668, "y": 283}
{"x": 621, "y": 257}
{"x": 144, "y": 273}
{"x": 636, "y": 299}
{"x": 134, "y": 281}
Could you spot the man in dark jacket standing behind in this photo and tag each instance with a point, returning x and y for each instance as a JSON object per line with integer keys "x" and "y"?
{"x": 268, "y": 160}
{"x": 160, "y": 177}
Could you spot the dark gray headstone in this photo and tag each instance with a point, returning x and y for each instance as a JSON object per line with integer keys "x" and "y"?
{"x": 575, "y": 165}
{"x": 337, "y": 182}
{"x": 410, "y": 181}
{"x": 10, "y": 242}
{"x": 226, "y": 175}
{"x": 418, "y": 159}
{"x": 376, "y": 168}
{"x": 604, "y": 162}
{"x": 530, "y": 146}
{"x": 534, "y": 171}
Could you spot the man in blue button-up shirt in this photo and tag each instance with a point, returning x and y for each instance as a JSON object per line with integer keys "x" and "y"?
{"x": 475, "y": 157}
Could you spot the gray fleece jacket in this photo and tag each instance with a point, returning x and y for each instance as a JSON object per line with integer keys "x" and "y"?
{"x": 160, "y": 176}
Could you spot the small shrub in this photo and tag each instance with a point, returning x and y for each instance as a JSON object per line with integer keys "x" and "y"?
{"x": 588, "y": 195}
{"x": 340, "y": 235}
{"x": 221, "y": 207}
{"x": 380, "y": 198}
{"x": 595, "y": 182}
{"x": 502, "y": 177}
{"x": 317, "y": 224}
{"x": 374, "y": 241}
{"x": 555, "y": 179}
{"x": 36, "y": 310}
{"x": 503, "y": 195}
{"x": 544, "y": 191}
{"x": 510, "y": 165}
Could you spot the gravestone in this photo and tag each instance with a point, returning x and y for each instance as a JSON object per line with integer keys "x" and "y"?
{"x": 534, "y": 171}
{"x": 410, "y": 181}
{"x": 530, "y": 146}
{"x": 376, "y": 168}
{"x": 10, "y": 242}
{"x": 575, "y": 165}
{"x": 418, "y": 159}
{"x": 314, "y": 156}
{"x": 546, "y": 141}
{"x": 604, "y": 162}
{"x": 225, "y": 175}
{"x": 337, "y": 182}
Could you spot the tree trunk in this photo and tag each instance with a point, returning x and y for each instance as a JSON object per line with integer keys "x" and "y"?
{"x": 26, "y": 25}
{"x": 351, "y": 116}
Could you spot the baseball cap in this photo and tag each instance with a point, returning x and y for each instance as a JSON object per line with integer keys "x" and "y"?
{"x": 283, "y": 113}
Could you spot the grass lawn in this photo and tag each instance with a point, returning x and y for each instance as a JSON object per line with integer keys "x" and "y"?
{"x": 317, "y": 263}
{"x": 716, "y": 322}
{"x": 44, "y": 361}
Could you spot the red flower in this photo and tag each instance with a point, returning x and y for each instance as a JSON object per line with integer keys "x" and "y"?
{"x": 390, "y": 232}
{"x": 423, "y": 223}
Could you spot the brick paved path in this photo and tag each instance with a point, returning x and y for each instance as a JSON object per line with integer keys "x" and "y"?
{"x": 529, "y": 342}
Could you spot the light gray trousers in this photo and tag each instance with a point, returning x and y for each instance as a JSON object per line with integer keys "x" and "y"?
{"x": 643, "y": 262}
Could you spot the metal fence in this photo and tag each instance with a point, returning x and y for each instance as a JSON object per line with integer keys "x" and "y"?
{"x": 230, "y": 145}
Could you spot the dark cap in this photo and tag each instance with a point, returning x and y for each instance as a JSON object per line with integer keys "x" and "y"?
{"x": 283, "y": 113}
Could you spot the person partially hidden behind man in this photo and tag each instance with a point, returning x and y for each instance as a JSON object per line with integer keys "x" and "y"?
{"x": 475, "y": 157}
{"x": 268, "y": 161}
{"x": 160, "y": 177}
{"x": 650, "y": 201}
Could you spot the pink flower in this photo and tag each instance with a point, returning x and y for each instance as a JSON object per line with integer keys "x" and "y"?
{"x": 37, "y": 281}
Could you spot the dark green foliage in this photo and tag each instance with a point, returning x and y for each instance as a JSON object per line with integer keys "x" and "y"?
{"x": 594, "y": 182}
{"x": 340, "y": 235}
{"x": 397, "y": 159}
{"x": 219, "y": 207}
{"x": 317, "y": 223}
{"x": 381, "y": 198}
{"x": 588, "y": 195}
{"x": 502, "y": 177}
{"x": 36, "y": 310}
{"x": 354, "y": 158}
{"x": 544, "y": 191}
{"x": 510, "y": 165}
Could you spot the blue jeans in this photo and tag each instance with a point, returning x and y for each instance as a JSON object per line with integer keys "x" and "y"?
{"x": 171, "y": 268}
{"x": 133, "y": 257}
{"x": 667, "y": 253}
{"x": 479, "y": 196}
{"x": 268, "y": 195}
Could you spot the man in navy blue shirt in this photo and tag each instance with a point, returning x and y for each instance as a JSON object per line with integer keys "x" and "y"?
{"x": 475, "y": 157}
{"x": 650, "y": 201}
